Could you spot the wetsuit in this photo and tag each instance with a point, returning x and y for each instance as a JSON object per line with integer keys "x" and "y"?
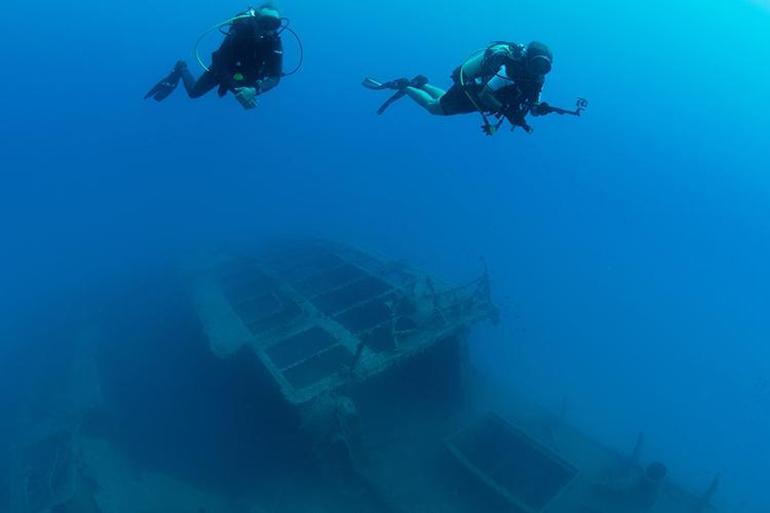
{"x": 246, "y": 58}
{"x": 517, "y": 90}
{"x": 503, "y": 71}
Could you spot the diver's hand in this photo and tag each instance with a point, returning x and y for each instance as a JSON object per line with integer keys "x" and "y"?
{"x": 246, "y": 96}
{"x": 541, "y": 109}
{"x": 488, "y": 129}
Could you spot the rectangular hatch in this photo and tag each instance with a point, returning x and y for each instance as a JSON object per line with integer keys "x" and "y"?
{"x": 521, "y": 470}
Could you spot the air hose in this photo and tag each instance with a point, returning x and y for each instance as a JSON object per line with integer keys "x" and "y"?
{"x": 488, "y": 127}
{"x": 196, "y": 48}
{"x": 287, "y": 28}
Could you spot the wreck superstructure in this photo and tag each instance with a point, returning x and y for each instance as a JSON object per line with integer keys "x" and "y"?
{"x": 326, "y": 320}
{"x": 321, "y": 316}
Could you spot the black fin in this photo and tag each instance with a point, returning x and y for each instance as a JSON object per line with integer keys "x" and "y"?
{"x": 164, "y": 88}
{"x": 401, "y": 84}
{"x": 390, "y": 101}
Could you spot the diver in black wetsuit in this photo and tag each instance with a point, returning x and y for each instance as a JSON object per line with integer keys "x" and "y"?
{"x": 248, "y": 63}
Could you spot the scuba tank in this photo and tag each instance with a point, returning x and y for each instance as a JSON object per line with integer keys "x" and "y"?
{"x": 252, "y": 23}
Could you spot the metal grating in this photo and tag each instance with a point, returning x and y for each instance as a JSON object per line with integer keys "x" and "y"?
{"x": 286, "y": 315}
{"x": 365, "y": 317}
{"x": 380, "y": 340}
{"x": 514, "y": 465}
{"x": 300, "y": 347}
{"x": 321, "y": 282}
{"x": 319, "y": 367}
{"x": 305, "y": 265}
{"x": 347, "y": 296}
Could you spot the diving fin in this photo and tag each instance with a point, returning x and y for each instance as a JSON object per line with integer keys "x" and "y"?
{"x": 399, "y": 85}
{"x": 373, "y": 84}
{"x": 165, "y": 87}
{"x": 396, "y": 85}
{"x": 390, "y": 101}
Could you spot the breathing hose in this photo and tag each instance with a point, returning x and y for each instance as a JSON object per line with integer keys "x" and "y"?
{"x": 196, "y": 48}
{"x": 489, "y": 128}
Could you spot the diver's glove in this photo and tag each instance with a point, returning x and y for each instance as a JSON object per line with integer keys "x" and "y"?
{"x": 247, "y": 96}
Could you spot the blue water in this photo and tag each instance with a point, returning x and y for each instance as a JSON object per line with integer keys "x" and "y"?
{"x": 628, "y": 249}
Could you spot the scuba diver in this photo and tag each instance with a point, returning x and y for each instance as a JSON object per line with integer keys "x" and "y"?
{"x": 503, "y": 81}
{"x": 248, "y": 63}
